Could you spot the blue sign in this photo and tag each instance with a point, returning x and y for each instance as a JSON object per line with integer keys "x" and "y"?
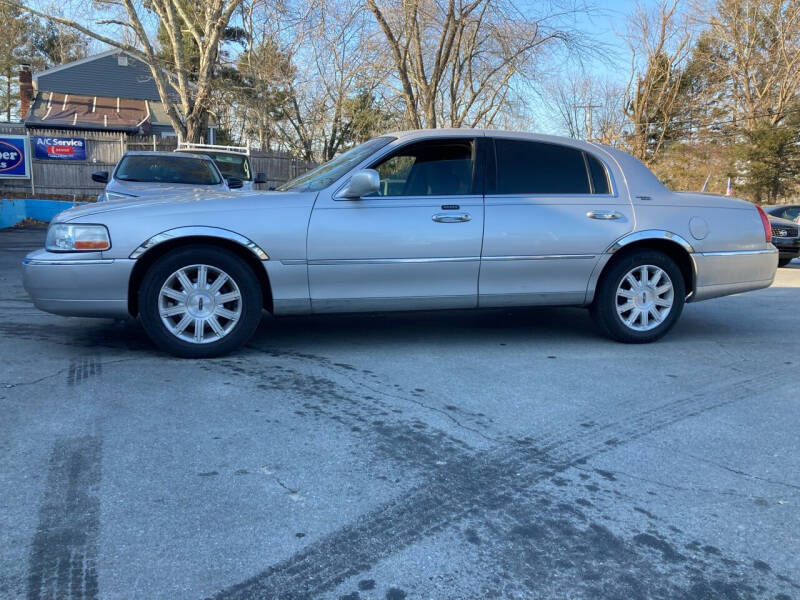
{"x": 14, "y": 157}
{"x": 59, "y": 148}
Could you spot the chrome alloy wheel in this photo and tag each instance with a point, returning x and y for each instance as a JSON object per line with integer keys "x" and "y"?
{"x": 200, "y": 304}
{"x": 644, "y": 297}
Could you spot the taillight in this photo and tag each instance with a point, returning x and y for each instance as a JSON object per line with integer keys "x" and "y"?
{"x": 765, "y": 223}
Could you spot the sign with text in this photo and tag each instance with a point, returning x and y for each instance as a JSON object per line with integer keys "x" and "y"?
{"x": 14, "y": 158}
{"x": 59, "y": 148}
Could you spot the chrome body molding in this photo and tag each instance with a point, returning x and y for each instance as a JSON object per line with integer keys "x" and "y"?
{"x": 180, "y": 232}
{"x": 390, "y": 261}
{"x": 737, "y": 252}
{"x": 541, "y": 257}
{"x": 78, "y": 262}
{"x": 650, "y": 234}
{"x": 384, "y": 261}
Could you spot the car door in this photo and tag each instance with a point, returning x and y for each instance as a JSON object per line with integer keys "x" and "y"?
{"x": 416, "y": 244}
{"x": 551, "y": 212}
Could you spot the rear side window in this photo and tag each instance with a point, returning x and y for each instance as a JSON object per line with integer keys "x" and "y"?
{"x": 598, "y": 174}
{"x": 539, "y": 168}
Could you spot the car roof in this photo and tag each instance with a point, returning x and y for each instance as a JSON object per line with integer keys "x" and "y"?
{"x": 410, "y": 134}
{"x": 161, "y": 153}
{"x": 203, "y": 151}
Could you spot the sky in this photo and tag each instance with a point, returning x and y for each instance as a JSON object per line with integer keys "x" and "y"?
{"x": 603, "y": 20}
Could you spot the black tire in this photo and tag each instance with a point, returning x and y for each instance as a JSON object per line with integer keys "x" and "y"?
{"x": 782, "y": 262}
{"x": 237, "y": 270}
{"x": 604, "y": 307}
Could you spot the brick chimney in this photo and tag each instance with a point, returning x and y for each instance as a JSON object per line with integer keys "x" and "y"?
{"x": 25, "y": 90}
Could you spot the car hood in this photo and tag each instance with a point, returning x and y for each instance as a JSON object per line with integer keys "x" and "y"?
{"x": 185, "y": 201}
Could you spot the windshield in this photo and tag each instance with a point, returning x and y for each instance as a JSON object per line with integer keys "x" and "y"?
{"x": 157, "y": 168}
{"x": 327, "y": 173}
{"x": 230, "y": 165}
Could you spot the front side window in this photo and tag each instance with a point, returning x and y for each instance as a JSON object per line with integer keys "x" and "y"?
{"x": 429, "y": 168}
{"x": 157, "y": 168}
{"x": 525, "y": 167}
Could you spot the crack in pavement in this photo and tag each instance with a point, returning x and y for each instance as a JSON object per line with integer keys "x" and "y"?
{"x": 71, "y": 367}
{"x": 731, "y": 469}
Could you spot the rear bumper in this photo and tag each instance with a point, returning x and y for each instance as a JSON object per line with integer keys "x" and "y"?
{"x": 732, "y": 272}
{"x": 80, "y": 287}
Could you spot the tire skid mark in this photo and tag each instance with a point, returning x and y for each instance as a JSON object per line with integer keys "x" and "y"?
{"x": 472, "y": 484}
{"x": 412, "y": 444}
{"x": 549, "y": 546}
{"x": 361, "y": 380}
{"x": 63, "y": 559}
{"x": 82, "y": 368}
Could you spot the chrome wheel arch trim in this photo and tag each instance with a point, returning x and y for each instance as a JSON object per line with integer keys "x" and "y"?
{"x": 649, "y": 234}
{"x": 204, "y": 231}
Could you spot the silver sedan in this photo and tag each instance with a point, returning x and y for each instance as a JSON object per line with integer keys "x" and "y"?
{"x": 415, "y": 220}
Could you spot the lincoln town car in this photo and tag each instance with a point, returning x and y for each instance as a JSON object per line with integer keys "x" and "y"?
{"x": 435, "y": 219}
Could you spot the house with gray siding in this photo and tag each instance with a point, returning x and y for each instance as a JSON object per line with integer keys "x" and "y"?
{"x": 111, "y": 91}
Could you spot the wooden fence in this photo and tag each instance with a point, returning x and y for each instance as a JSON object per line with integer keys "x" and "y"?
{"x": 72, "y": 180}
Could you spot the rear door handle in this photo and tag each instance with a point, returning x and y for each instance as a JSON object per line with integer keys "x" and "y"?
{"x": 452, "y": 217}
{"x": 603, "y": 215}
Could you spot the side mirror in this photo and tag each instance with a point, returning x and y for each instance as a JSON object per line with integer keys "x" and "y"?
{"x": 100, "y": 176}
{"x": 260, "y": 178}
{"x": 234, "y": 183}
{"x": 363, "y": 183}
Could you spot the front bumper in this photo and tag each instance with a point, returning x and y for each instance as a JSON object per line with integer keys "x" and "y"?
{"x": 77, "y": 285}
{"x": 788, "y": 247}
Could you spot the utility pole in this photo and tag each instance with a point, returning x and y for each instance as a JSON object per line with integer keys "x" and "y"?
{"x": 587, "y": 110}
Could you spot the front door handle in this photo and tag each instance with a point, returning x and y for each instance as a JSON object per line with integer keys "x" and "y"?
{"x": 603, "y": 215}
{"x": 452, "y": 217}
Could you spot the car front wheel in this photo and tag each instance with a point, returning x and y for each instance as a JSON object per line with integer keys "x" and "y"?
{"x": 198, "y": 302}
{"x": 639, "y": 298}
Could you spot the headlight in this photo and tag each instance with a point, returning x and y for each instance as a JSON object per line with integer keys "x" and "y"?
{"x": 63, "y": 237}
{"x": 117, "y": 196}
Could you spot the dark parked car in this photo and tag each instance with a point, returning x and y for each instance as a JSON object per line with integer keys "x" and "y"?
{"x": 784, "y": 211}
{"x": 786, "y": 238}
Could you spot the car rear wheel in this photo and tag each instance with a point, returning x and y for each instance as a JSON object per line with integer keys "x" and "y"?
{"x": 639, "y": 298}
{"x": 782, "y": 262}
{"x": 199, "y": 301}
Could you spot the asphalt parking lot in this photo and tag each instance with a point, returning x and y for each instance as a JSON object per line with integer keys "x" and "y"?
{"x": 462, "y": 455}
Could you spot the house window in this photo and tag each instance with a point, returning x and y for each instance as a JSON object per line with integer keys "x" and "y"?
{"x": 122, "y": 60}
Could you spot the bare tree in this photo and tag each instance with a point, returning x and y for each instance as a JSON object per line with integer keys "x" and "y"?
{"x": 588, "y": 107}
{"x": 314, "y": 78}
{"x": 659, "y": 39}
{"x": 454, "y": 61}
{"x": 754, "y": 45}
{"x": 187, "y": 102}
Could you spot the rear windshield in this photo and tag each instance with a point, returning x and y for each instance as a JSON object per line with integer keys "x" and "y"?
{"x": 231, "y": 165}
{"x": 158, "y": 168}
